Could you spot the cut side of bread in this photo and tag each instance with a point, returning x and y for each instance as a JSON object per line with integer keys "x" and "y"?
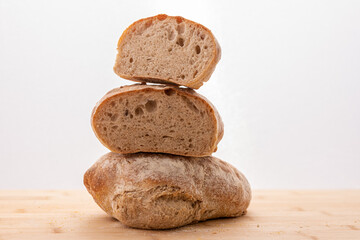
{"x": 165, "y": 49}
{"x": 157, "y": 118}
{"x": 161, "y": 191}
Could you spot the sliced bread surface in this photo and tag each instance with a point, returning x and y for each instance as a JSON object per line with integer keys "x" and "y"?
{"x": 161, "y": 191}
{"x": 157, "y": 118}
{"x": 166, "y": 49}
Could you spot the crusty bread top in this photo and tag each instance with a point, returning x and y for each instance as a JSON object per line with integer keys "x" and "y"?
{"x": 171, "y": 61}
{"x": 136, "y": 188}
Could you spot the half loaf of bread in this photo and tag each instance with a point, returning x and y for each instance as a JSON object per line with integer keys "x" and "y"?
{"x": 157, "y": 118}
{"x": 160, "y": 191}
{"x": 165, "y": 49}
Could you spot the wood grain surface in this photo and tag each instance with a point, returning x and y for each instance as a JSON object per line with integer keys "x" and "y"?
{"x": 272, "y": 215}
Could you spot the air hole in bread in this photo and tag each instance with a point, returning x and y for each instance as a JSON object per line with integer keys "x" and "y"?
{"x": 180, "y": 28}
{"x": 169, "y": 91}
{"x": 171, "y": 35}
{"x": 143, "y": 27}
{"x": 195, "y": 73}
{"x": 166, "y": 136}
{"x": 180, "y": 42}
{"x": 105, "y": 129}
{"x": 126, "y": 112}
{"x": 197, "y": 49}
{"x": 139, "y": 111}
{"x": 114, "y": 127}
{"x": 206, "y": 47}
{"x": 182, "y": 76}
{"x": 191, "y": 146}
{"x": 131, "y": 60}
{"x": 114, "y": 117}
{"x": 170, "y": 49}
{"x": 112, "y": 104}
{"x": 131, "y": 116}
{"x": 190, "y": 140}
{"x": 150, "y": 106}
{"x": 190, "y": 104}
{"x": 202, "y": 36}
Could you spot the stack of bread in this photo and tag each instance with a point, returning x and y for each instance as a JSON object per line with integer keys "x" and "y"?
{"x": 160, "y": 173}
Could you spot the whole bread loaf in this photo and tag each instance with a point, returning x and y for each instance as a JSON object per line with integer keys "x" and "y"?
{"x": 160, "y": 191}
{"x": 165, "y": 49}
{"x": 157, "y": 118}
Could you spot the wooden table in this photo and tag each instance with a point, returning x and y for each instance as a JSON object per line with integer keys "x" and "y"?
{"x": 272, "y": 215}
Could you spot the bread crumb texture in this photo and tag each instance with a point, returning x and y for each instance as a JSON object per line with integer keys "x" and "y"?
{"x": 167, "y": 49}
{"x": 144, "y": 118}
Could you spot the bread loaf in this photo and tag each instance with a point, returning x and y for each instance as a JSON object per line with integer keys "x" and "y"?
{"x": 165, "y": 119}
{"x": 165, "y": 49}
{"x": 160, "y": 191}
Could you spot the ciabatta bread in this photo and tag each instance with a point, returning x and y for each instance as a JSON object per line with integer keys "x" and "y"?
{"x": 157, "y": 118}
{"x": 160, "y": 191}
{"x": 165, "y": 49}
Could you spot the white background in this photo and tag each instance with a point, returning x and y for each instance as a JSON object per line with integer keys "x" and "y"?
{"x": 287, "y": 87}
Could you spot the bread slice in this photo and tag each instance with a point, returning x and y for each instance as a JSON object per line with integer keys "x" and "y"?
{"x": 157, "y": 118}
{"x": 165, "y": 49}
{"x": 160, "y": 191}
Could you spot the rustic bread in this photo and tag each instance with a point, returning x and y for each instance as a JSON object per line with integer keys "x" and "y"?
{"x": 165, "y": 49}
{"x": 157, "y": 118}
{"x": 160, "y": 191}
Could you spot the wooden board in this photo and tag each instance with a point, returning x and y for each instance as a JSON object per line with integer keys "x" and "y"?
{"x": 272, "y": 215}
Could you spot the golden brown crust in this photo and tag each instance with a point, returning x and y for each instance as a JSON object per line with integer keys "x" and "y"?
{"x": 198, "y": 81}
{"x": 137, "y": 88}
{"x": 160, "y": 191}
